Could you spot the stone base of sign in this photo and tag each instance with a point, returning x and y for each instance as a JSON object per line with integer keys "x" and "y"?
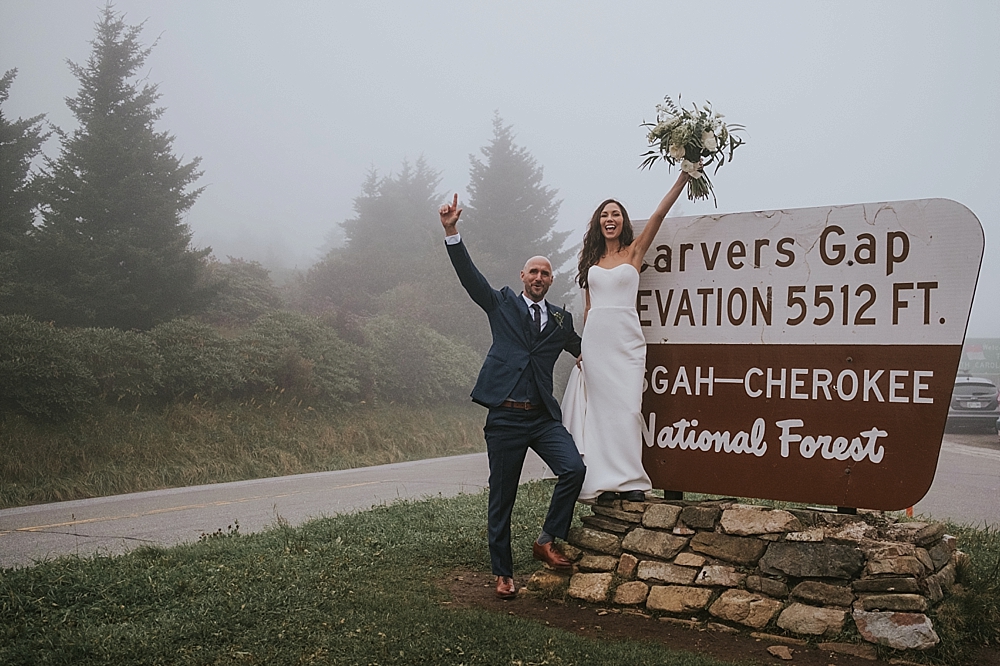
{"x": 802, "y": 573}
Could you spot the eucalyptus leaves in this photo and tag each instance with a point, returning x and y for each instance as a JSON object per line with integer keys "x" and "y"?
{"x": 687, "y": 137}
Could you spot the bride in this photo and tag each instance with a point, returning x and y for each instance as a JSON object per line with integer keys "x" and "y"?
{"x": 601, "y": 406}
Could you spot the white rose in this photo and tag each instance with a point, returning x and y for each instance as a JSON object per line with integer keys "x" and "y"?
{"x": 676, "y": 152}
{"x": 709, "y": 141}
{"x": 691, "y": 168}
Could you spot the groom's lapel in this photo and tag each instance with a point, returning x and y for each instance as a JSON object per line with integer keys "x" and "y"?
{"x": 552, "y": 324}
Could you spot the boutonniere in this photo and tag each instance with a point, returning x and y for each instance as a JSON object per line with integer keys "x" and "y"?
{"x": 558, "y": 316}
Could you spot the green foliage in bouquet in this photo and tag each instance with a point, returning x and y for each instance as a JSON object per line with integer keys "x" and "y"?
{"x": 693, "y": 138}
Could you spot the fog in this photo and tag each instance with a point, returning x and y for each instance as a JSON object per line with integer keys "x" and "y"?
{"x": 291, "y": 104}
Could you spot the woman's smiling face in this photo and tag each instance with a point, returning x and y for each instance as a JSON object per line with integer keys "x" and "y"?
{"x": 611, "y": 221}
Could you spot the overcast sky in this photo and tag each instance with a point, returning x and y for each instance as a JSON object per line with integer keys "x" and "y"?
{"x": 290, "y": 104}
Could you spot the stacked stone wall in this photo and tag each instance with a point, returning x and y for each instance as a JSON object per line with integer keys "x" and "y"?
{"x": 805, "y": 572}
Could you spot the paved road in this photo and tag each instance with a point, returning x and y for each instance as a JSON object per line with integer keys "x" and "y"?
{"x": 966, "y": 489}
{"x": 110, "y": 525}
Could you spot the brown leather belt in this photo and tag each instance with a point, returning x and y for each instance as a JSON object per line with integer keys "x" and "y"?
{"x": 519, "y": 405}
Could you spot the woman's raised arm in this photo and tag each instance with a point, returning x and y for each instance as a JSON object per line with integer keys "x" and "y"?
{"x": 642, "y": 242}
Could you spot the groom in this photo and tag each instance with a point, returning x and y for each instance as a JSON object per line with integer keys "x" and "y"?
{"x": 515, "y": 383}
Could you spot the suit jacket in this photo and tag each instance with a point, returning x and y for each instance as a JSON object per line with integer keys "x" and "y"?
{"x": 514, "y": 345}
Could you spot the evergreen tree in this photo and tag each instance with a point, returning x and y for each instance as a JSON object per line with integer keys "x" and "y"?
{"x": 20, "y": 142}
{"x": 113, "y": 249}
{"x": 511, "y": 214}
{"x": 387, "y": 241}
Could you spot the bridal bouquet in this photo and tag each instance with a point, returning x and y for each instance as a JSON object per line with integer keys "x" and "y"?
{"x": 693, "y": 138}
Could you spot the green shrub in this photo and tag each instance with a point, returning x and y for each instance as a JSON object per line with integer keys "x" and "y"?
{"x": 196, "y": 360}
{"x": 126, "y": 364}
{"x": 413, "y": 364}
{"x": 295, "y": 353}
{"x": 42, "y": 372}
{"x": 245, "y": 293}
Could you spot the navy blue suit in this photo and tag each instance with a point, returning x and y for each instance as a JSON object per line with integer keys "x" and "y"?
{"x": 520, "y": 363}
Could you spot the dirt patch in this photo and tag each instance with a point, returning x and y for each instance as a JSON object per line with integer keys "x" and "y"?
{"x": 471, "y": 589}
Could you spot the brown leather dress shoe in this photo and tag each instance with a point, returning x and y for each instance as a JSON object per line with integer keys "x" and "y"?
{"x": 548, "y": 554}
{"x": 505, "y": 587}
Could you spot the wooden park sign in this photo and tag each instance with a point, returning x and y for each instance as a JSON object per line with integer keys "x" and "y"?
{"x": 806, "y": 355}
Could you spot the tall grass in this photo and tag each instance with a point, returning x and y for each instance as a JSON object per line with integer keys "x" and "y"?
{"x": 357, "y": 589}
{"x": 187, "y": 443}
{"x": 971, "y": 616}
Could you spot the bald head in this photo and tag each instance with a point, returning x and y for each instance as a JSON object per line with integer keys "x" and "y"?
{"x": 537, "y": 259}
{"x": 537, "y": 278}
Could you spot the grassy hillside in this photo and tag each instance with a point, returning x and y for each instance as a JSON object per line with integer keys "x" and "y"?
{"x": 115, "y": 451}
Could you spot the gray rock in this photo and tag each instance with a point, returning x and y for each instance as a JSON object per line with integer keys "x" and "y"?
{"x": 545, "y": 580}
{"x": 902, "y": 631}
{"x": 598, "y": 563}
{"x": 813, "y": 534}
{"x": 677, "y": 598}
{"x": 663, "y": 572}
{"x": 881, "y": 550}
{"x": 894, "y": 602}
{"x": 627, "y": 564}
{"x": 739, "y": 550}
{"x": 888, "y": 584}
{"x": 806, "y": 517}
{"x": 634, "y": 507}
{"x": 606, "y": 524}
{"x": 940, "y": 553}
{"x": 925, "y": 559}
{"x": 929, "y": 534}
{"x": 617, "y": 514}
{"x": 717, "y": 575}
{"x": 937, "y": 585}
{"x": 824, "y": 594}
{"x": 851, "y": 533}
{"x": 748, "y": 522}
{"x": 592, "y": 587}
{"x": 904, "y": 531}
{"x": 700, "y": 517}
{"x": 812, "y": 560}
{"x": 803, "y": 619}
{"x": 768, "y": 586}
{"x": 661, "y": 516}
{"x": 656, "y": 544}
{"x": 689, "y": 560}
{"x": 780, "y": 651}
{"x": 931, "y": 589}
{"x": 747, "y": 608}
{"x": 631, "y": 593}
{"x": 572, "y": 553}
{"x": 907, "y": 565}
{"x": 588, "y": 539}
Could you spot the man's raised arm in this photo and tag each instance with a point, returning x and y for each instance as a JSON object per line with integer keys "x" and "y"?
{"x": 474, "y": 282}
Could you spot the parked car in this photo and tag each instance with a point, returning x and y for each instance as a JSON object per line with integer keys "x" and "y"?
{"x": 974, "y": 405}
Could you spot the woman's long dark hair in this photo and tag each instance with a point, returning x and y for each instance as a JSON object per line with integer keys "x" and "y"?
{"x": 593, "y": 242}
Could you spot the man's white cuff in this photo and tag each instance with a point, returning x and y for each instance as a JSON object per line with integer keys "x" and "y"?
{"x": 453, "y": 240}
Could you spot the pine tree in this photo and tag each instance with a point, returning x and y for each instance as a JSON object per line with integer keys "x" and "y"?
{"x": 20, "y": 142}
{"x": 113, "y": 248}
{"x": 511, "y": 214}
{"x": 386, "y": 243}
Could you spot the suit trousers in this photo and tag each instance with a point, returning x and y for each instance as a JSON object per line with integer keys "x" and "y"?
{"x": 509, "y": 433}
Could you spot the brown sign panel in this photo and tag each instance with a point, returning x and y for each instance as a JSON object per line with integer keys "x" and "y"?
{"x": 806, "y": 355}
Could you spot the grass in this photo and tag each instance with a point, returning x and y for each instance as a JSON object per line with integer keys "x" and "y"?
{"x": 116, "y": 451}
{"x": 971, "y": 616}
{"x": 356, "y": 589}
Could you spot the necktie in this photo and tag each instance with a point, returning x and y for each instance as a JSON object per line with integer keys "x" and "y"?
{"x": 536, "y": 315}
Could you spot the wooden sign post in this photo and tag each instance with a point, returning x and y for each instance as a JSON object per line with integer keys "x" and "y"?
{"x": 806, "y": 355}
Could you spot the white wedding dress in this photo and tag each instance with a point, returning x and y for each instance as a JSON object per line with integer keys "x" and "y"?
{"x": 602, "y": 404}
